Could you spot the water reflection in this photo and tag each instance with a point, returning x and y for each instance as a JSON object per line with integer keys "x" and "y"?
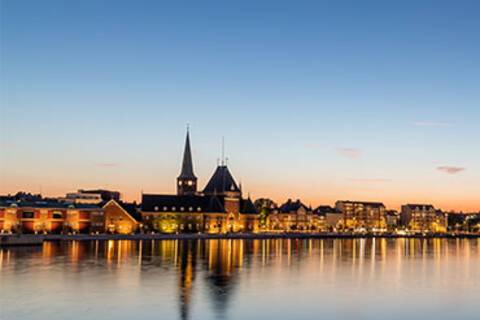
{"x": 223, "y": 278}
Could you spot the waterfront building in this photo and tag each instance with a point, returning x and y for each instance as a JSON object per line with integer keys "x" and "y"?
{"x": 292, "y": 216}
{"x": 218, "y": 208}
{"x": 49, "y": 216}
{"x": 362, "y": 216}
{"x": 121, "y": 217}
{"x": 392, "y": 219}
{"x": 332, "y": 219}
{"x": 423, "y": 218}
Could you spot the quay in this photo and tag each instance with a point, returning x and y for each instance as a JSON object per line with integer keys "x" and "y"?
{"x": 21, "y": 240}
{"x": 24, "y": 240}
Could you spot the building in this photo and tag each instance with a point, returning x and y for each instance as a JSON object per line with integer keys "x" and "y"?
{"x": 332, "y": 219}
{"x": 362, "y": 216}
{"x": 393, "y": 219}
{"x": 49, "y": 216}
{"x": 218, "y": 208}
{"x": 292, "y": 216}
{"x": 121, "y": 217}
{"x": 91, "y": 196}
{"x": 423, "y": 218}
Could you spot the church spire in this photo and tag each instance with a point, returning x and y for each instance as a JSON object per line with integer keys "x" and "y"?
{"x": 187, "y": 164}
{"x": 186, "y": 181}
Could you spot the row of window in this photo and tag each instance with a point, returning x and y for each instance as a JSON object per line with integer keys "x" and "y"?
{"x": 175, "y": 209}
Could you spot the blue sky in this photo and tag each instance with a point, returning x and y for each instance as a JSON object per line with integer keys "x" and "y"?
{"x": 321, "y": 100}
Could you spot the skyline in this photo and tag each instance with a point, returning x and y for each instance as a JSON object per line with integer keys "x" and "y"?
{"x": 322, "y": 102}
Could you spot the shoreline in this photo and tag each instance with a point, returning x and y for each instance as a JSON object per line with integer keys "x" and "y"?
{"x": 28, "y": 239}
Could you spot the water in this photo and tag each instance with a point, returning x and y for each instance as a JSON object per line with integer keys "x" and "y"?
{"x": 242, "y": 279}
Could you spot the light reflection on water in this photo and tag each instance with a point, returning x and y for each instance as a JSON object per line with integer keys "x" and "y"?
{"x": 242, "y": 279}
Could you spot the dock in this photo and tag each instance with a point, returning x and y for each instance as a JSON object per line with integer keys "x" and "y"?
{"x": 20, "y": 240}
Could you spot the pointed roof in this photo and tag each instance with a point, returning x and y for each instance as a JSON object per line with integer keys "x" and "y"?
{"x": 247, "y": 207}
{"x": 221, "y": 181}
{"x": 187, "y": 164}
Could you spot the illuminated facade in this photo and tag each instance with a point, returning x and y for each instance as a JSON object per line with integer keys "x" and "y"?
{"x": 362, "y": 216}
{"x": 331, "y": 219}
{"x": 218, "y": 208}
{"x": 423, "y": 218}
{"x": 293, "y": 216}
{"x": 49, "y": 217}
{"x": 121, "y": 217}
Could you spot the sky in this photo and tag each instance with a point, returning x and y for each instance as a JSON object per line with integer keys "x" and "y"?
{"x": 317, "y": 100}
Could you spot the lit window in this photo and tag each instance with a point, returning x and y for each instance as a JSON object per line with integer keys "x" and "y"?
{"x": 190, "y": 182}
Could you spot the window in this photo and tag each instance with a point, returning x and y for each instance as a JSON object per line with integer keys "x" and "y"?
{"x": 190, "y": 182}
{"x": 27, "y": 215}
{"x": 57, "y": 215}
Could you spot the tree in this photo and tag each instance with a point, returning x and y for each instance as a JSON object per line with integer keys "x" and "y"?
{"x": 265, "y": 207}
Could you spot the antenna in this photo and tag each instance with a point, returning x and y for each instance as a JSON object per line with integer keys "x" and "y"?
{"x": 223, "y": 151}
{"x": 188, "y": 127}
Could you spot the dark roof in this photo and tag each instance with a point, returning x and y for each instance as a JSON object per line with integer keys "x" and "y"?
{"x": 104, "y": 194}
{"x": 189, "y": 203}
{"x": 247, "y": 206}
{"x": 364, "y": 203}
{"x": 292, "y": 206}
{"x": 132, "y": 210}
{"x": 417, "y": 206}
{"x": 391, "y": 213}
{"x": 323, "y": 210}
{"x": 187, "y": 164}
{"x": 221, "y": 181}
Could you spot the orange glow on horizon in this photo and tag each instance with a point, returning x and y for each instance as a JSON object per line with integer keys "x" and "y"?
{"x": 468, "y": 203}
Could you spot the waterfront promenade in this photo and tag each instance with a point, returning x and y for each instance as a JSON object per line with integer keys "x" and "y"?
{"x": 25, "y": 239}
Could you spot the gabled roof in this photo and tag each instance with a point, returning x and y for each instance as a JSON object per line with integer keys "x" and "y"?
{"x": 130, "y": 208}
{"x": 221, "y": 181}
{"x": 247, "y": 206}
{"x": 189, "y": 203}
{"x": 290, "y": 206}
{"x": 187, "y": 164}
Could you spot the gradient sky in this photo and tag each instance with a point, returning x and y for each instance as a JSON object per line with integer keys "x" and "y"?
{"x": 320, "y": 100}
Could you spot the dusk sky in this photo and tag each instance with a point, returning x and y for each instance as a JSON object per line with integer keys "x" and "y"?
{"x": 317, "y": 100}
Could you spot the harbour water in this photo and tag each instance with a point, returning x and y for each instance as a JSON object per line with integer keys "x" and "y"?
{"x": 242, "y": 279}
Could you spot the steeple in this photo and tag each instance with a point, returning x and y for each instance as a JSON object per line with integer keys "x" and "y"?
{"x": 186, "y": 181}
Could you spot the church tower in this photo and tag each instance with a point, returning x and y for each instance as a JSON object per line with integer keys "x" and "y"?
{"x": 186, "y": 181}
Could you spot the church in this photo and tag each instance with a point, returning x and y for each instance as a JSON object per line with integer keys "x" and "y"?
{"x": 218, "y": 208}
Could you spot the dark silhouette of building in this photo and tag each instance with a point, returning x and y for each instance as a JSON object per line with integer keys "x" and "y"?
{"x": 187, "y": 181}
